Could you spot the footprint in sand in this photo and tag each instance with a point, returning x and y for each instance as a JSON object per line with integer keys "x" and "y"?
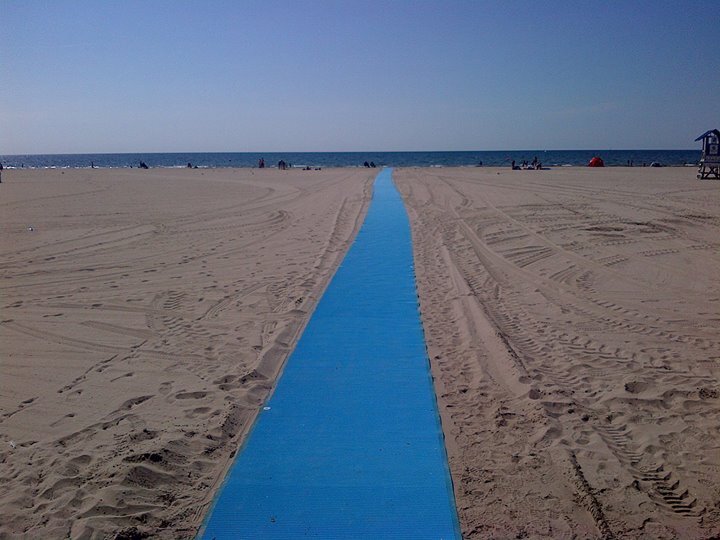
{"x": 191, "y": 395}
{"x": 165, "y": 387}
{"x": 635, "y": 387}
{"x": 198, "y": 411}
{"x": 59, "y": 420}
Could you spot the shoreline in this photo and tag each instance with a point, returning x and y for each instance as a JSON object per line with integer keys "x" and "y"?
{"x": 377, "y": 168}
{"x": 551, "y": 158}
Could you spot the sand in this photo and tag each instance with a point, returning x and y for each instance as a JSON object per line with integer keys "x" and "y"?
{"x": 145, "y": 316}
{"x": 571, "y": 316}
{"x": 572, "y": 319}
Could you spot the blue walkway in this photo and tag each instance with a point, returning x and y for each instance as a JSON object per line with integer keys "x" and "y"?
{"x": 351, "y": 445}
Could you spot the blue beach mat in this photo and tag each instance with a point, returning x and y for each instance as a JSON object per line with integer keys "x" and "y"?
{"x": 350, "y": 444}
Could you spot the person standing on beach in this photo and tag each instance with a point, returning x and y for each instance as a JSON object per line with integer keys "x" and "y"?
{"x": 1, "y": 170}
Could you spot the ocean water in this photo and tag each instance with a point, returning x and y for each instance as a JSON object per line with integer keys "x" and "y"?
{"x": 549, "y": 158}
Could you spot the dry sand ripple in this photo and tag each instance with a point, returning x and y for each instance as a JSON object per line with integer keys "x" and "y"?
{"x": 144, "y": 320}
{"x": 572, "y": 320}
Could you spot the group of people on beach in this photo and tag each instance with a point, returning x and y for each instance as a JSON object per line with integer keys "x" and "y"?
{"x": 534, "y": 165}
{"x": 371, "y": 164}
{"x": 283, "y": 165}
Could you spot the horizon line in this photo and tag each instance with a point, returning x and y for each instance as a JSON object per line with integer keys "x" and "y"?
{"x": 356, "y": 151}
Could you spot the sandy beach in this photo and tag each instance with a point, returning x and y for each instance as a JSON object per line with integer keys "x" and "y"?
{"x": 145, "y": 316}
{"x": 571, "y": 318}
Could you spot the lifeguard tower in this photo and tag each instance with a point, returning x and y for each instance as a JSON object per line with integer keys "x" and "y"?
{"x": 710, "y": 161}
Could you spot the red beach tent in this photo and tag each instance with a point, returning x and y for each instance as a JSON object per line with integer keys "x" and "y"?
{"x": 596, "y": 162}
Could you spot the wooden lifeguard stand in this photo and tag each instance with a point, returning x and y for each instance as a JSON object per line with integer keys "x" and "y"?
{"x": 710, "y": 161}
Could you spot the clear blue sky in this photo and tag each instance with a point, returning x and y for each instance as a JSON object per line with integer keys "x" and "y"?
{"x": 124, "y": 76}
